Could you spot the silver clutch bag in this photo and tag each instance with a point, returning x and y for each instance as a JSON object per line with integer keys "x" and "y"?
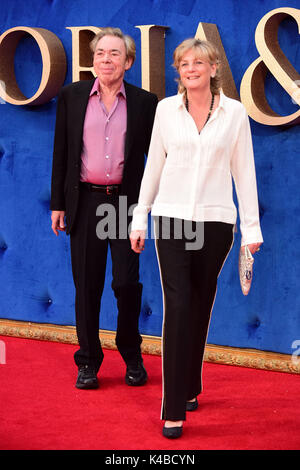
{"x": 246, "y": 261}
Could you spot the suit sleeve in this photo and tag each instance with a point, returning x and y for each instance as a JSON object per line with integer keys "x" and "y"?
{"x": 59, "y": 165}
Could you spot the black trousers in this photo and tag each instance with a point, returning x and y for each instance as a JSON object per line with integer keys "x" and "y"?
{"x": 89, "y": 256}
{"x": 189, "y": 283}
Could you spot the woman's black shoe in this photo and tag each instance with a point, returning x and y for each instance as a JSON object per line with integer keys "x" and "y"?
{"x": 172, "y": 433}
{"x": 191, "y": 405}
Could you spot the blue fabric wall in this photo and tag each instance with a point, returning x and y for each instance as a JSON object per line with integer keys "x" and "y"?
{"x": 35, "y": 273}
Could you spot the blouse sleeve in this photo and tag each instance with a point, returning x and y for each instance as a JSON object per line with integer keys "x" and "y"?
{"x": 151, "y": 179}
{"x": 243, "y": 172}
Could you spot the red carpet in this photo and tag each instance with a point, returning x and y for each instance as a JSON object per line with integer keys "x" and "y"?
{"x": 42, "y": 410}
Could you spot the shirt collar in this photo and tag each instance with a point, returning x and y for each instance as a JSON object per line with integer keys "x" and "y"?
{"x": 96, "y": 89}
{"x": 222, "y": 101}
{"x": 179, "y": 100}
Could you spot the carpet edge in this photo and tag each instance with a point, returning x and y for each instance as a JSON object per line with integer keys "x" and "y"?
{"x": 251, "y": 358}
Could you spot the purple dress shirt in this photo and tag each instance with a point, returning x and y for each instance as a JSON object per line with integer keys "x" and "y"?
{"x": 102, "y": 157}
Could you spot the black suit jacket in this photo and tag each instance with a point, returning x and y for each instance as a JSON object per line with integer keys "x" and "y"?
{"x": 71, "y": 108}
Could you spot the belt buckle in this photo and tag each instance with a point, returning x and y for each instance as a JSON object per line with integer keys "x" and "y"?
{"x": 109, "y": 190}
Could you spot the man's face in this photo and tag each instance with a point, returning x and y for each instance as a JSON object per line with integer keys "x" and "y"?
{"x": 110, "y": 60}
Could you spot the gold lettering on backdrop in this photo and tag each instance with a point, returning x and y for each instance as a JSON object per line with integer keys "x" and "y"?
{"x": 209, "y": 32}
{"x": 82, "y": 57}
{"x": 273, "y": 59}
{"x": 153, "y": 64}
{"x": 54, "y": 65}
{"x": 153, "y": 58}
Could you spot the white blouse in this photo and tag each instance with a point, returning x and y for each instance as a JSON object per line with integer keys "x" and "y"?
{"x": 189, "y": 175}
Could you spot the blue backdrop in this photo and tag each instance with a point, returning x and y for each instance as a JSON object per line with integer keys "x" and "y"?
{"x": 35, "y": 273}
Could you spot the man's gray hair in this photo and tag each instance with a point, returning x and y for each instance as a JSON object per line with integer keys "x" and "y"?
{"x": 109, "y": 31}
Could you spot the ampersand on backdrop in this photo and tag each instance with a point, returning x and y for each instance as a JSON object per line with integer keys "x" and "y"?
{"x": 273, "y": 59}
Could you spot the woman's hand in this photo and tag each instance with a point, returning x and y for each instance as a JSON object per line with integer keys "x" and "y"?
{"x": 137, "y": 239}
{"x": 253, "y": 247}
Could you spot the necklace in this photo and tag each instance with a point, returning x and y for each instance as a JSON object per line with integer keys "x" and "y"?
{"x": 210, "y": 108}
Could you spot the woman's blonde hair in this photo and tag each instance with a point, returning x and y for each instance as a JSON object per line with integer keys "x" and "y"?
{"x": 204, "y": 49}
{"x": 128, "y": 41}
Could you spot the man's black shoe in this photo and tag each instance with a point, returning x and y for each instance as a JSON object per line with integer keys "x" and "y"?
{"x": 136, "y": 374}
{"x": 87, "y": 378}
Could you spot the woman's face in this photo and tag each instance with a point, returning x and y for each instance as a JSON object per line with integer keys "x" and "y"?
{"x": 195, "y": 71}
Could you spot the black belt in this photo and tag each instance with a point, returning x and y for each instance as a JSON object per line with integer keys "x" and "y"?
{"x": 109, "y": 189}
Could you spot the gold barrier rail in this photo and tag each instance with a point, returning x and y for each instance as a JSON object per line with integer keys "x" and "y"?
{"x": 252, "y": 358}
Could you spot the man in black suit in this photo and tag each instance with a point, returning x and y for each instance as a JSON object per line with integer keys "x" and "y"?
{"x": 103, "y": 130}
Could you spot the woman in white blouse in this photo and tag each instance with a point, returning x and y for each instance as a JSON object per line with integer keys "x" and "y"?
{"x": 200, "y": 140}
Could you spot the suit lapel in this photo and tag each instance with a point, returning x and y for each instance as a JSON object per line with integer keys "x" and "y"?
{"x": 80, "y": 104}
{"x": 132, "y": 114}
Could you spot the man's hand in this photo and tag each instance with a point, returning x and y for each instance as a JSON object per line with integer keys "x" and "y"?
{"x": 137, "y": 239}
{"x": 58, "y": 221}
